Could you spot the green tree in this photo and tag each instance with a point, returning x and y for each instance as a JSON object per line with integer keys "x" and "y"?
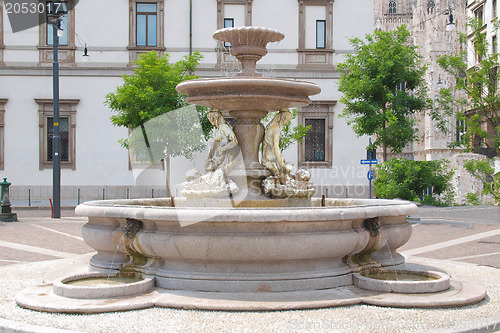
{"x": 484, "y": 170}
{"x": 144, "y": 104}
{"x": 407, "y": 179}
{"x": 383, "y": 86}
{"x": 479, "y": 101}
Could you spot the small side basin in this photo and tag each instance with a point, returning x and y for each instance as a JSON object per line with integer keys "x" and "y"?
{"x": 402, "y": 281}
{"x": 102, "y": 285}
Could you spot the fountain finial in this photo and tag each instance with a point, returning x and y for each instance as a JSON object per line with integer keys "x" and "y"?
{"x": 248, "y": 44}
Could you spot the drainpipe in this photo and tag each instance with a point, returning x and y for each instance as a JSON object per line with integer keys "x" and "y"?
{"x": 190, "y": 27}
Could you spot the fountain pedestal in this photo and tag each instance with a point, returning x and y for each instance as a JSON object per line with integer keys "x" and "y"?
{"x": 249, "y": 132}
{"x": 248, "y": 98}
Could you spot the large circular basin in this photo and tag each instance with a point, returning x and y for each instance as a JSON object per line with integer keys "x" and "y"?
{"x": 248, "y": 93}
{"x": 283, "y": 246}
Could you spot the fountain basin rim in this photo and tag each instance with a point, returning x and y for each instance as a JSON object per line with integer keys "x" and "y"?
{"x": 237, "y": 82}
{"x": 132, "y": 208}
{"x": 222, "y": 34}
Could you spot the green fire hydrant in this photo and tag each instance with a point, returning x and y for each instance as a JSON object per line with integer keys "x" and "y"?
{"x": 5, "y": 188}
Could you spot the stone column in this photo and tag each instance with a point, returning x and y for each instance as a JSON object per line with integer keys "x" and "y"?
{"x": 250, "y": 133}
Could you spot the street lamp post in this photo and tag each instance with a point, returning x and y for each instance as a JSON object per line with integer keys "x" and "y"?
{"x": 54, "y": 13}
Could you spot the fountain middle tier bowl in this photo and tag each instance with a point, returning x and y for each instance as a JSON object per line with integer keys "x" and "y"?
{"x": 248, "y": 93}
{"x": 274, "y": 245}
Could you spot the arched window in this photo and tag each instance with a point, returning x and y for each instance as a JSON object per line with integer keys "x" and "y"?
{"x": 392, "y": 7}
{"x": 430, "y": 6}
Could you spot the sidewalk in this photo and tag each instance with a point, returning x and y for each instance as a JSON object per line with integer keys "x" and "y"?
{"x": 464, "y": 233}
{"x": 37, "y": 237}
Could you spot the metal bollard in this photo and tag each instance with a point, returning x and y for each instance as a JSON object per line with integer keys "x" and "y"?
{"x": 5, "y": 188}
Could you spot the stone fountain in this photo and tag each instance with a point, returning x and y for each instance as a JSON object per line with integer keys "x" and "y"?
{"x": 270, "y": 247}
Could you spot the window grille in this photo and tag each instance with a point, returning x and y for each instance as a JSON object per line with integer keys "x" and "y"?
{"x": 64, "y": 134}
{"x": 315, "y": 140}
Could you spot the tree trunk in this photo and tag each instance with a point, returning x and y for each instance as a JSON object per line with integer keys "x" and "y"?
{"x": 384, "y": 152}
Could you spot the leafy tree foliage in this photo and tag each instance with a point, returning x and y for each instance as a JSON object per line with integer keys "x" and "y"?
{"x": 484, "y": 170}
{"x": 480, "y": 103}
{"x": 150, "y": 92}
{"x": 407, "y": 179}
{"x": 383, "y": 87}
{"x": 145, "y": 103}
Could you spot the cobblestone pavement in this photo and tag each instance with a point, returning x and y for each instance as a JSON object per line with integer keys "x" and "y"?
{"x": 467, "y": 234}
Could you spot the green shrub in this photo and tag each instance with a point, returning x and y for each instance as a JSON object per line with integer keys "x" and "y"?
{"x": 473, "y": 198}
{"x": 407, "y": 179}
{"x": 484, "y": 170}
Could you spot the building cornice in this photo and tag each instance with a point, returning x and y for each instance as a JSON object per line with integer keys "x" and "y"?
{"x": 118, "y": 71}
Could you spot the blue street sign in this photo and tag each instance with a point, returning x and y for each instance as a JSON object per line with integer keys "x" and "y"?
{"x": 369, "y": 161}
{"x": 369, "y": 175}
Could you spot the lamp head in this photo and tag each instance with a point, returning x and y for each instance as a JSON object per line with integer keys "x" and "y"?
{"x": 450, "y": 26}
{"x": 86, "y": 56}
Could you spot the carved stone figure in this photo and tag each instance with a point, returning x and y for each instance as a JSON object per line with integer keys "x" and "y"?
{"x": 271, "y": 152}
{"x": 282, "y": 184}
{"x": 221, "y": 159}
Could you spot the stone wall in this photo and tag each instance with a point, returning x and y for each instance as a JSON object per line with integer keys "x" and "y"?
{"x": 463, "y": 182}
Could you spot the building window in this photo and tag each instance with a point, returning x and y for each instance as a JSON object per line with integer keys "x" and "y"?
{"x": 314, "y": 141}
{"x": 238, "y": 10}
{"x": 228, "y": 23}
{"x": 67, "y": 45}
{"x": 392, "y": 7}
{"x": 317, "y": 148}
{"x": 231, "y": 13}
{"x": 64, "y": 134}
{"x": 494, "y": 44}
{"x": 146, "y": 24}
{"x": 430, "y": 6}
{"x": 63, "y": 40}
{"x": 146, "y": 27}
{"x": 316, "y": 47}
{"x": 461, "y": 128}
{"x": 494, "y": 9}
{"x": 320, "y": 34}
{"x": 479, "y": 14}
{"x": 67, "y": 130}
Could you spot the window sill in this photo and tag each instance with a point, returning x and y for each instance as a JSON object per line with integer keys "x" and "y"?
{"x": 316, "y": 50}
{"x": 147, "y": 165}
{"x": 318, "y": 165}
{"x": 59, "y": 47}
{"x": 64, "y": 165}
{"x": 146, "y": 48}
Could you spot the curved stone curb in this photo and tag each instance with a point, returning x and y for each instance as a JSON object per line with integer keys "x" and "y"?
{"x": 460, "y": 293}
{"x": 42, "y": 298}
{"x": 282, "y": 301}
{"x": 441, "y": 282}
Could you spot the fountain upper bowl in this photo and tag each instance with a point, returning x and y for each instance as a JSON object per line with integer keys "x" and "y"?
{"x": 248, "y": 93}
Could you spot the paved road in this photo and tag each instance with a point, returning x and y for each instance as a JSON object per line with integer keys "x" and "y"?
{"x": 467, "y": 234}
